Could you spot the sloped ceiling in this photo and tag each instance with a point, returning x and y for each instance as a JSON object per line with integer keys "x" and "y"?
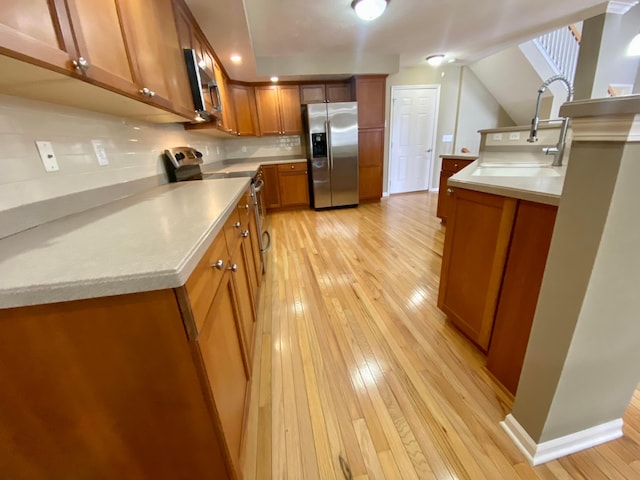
{"x": 324, "y": 38}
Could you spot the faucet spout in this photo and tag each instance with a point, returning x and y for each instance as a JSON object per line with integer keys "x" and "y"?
{"x": 558, "y": 150}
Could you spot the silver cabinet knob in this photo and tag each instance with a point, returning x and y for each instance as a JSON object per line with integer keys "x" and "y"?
{"x": 81, "y": 64}
{"x": 449, "y": 191}
{"x": 147, "y": 93}
{"x": 293, "y": 167}
{"x": 455, "y": 165}
{"x": 219, "y": 264}
{"x": 234, "y": 267}
{"x": 245, "y": 234}
{"x": 237, "y": 224}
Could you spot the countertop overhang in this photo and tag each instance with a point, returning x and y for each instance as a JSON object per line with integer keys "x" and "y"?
{"x": 145, "y": 242}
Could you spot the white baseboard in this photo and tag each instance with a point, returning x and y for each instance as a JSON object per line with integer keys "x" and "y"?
{"x": 537, "y": 453}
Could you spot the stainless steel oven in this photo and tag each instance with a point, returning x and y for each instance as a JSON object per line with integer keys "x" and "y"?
{"x": 257, "y": 185}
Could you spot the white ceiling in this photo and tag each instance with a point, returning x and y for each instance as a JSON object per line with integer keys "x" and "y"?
{"x": 324, "y": 38}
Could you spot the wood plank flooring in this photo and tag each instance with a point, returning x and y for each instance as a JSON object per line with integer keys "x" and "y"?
{"x": 354, "y": 360}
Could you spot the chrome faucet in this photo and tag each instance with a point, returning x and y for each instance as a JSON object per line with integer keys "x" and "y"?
{"x": 558, "y": 150}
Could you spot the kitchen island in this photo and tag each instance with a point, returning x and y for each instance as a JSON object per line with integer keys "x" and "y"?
{"x": 126, "y": 336}
{"x": 499, "y": 228}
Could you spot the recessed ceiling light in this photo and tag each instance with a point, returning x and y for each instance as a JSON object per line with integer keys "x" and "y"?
{"x": 274, "y": 79}
{"x": 451, "y": 60}
{"x": 369, "y": 9}
{"x": 236, "y": 58}
{"x": 435, "y": 60}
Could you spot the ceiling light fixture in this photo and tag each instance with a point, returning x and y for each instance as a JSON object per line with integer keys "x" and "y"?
{"x": 236, "y": 58}
{"x": 435, "y": 60}
{"x": 451, "y": 60}
{"x": 634, "y": 46}
{"x": 369, "y": 9}
{"x": 274, "y": 79}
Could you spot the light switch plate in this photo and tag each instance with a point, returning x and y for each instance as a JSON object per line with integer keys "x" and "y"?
{"x": 514, "y": 136}
{"x": 101, "y": 153}
{"x": 47, "y": 156}
{"x": 447, "y": 138}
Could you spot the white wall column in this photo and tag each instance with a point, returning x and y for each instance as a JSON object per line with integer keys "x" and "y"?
{"x": 582, "y": 364}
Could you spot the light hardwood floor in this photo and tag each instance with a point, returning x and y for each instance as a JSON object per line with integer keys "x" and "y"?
{"x": 353, "y": 359}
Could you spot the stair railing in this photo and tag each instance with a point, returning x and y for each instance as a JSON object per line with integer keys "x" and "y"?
{"x": 561, "y": 48}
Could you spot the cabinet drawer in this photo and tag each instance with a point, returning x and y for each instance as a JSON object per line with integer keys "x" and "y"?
{"x": 205, "y": 279}
{"x": 232, "y": 231}
{"x": 454, "y": 165}
{"x": 245, "y": 208}
{"x": 292, "y": 167}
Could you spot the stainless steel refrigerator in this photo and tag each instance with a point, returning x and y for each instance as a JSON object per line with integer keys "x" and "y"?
{"x": 332, "y": 151}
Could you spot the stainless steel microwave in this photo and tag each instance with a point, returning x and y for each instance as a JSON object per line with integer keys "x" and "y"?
{"x": 204, "y": 88}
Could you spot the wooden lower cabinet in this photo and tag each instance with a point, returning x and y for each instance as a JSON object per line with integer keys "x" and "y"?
{"x": 286, "y": 185}
{"x": 227, "y": 372}
{"x": 293, "y": 181}
{"x": 494, "y": 258}
{"x": 450, "y": 166}
{"x": 370, "y": 160}
{"x": 521, "y": 283}
{"x": 475, "y": 251}
{"x": 149, "y": 385}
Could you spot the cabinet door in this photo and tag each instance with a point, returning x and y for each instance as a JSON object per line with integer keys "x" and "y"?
{"x": 243, "y": 285}
{"x": 370, "y": 94}
{"x": 370, "y": 155}
{"x": 476, "y": 244}
{"x": 254, "y": 235}
{"x": 144, "y": 40}
{"x": 228, "y": 115}
{"x": 244, "y": 102}
{"x": 294, "y": 189}
{"x": 271, "y": 190}
{"x": 290, "y": 113}
{"x": 268, "y": 110}
{"x": 100, "y": 35}
{"x": 338, "y": 92}
{"x": 37, "y": 30}
{"x": 312, "y": 94}
{"x": 523, "y": 274}
{"x": 443, "y": 196}
{"x": 221, "y": 349}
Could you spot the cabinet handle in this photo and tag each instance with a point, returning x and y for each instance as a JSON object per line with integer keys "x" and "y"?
{"x": 237, "y": 224}
{"x": 293, "y": 167}
{"x": 246, "y": 205}
{"x": 147, "y": 93}
{"x": 219, "y": 264}
{"x": 245, "y": 234}
{"x": 449, "y": 191}
{"x": 82, "y": 65}
{"x": 455, "y": 165}
{"x": 234, "y": 267}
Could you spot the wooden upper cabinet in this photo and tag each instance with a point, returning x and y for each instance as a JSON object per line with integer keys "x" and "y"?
{"x": 101, "y": 38}
{"x": 290, "y": 114}
{"x": 268, "y": 111}
{"x": 322, "y": 93}
{"x": 244, "y": 103}
{"x": 39, "y": 30}
{"x": 370, "y": 94}
{"x": 228, "y": 122}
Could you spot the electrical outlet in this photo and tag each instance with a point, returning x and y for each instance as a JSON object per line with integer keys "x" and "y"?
{"x": 244, "y": 149}
{"x": 98, "y": 147}
{"x": 217, "y": 150}
{"x": 514, "y": 136}
{"x": 47, "y": 156}
{"x": 497, "y": 137}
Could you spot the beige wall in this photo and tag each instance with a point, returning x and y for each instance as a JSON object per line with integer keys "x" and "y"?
{"x": 477, "y": 109}
{"x": 583, "y": 360}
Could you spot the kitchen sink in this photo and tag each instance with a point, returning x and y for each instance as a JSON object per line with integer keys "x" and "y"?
{"x": 516, "y": 171}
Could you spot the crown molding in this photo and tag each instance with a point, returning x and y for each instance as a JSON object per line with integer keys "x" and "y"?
{"x": 620, "y": 7}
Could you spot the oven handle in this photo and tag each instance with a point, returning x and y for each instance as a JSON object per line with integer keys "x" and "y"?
{"x": 258, "y": 185}
{"x": 266, "y": 247}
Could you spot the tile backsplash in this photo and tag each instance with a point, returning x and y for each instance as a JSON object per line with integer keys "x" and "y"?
{"x": 134, "y": 151}
{"x": 257, "y": 147}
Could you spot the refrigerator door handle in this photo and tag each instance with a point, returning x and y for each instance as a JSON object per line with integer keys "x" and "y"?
{"x": 329, "y": 151}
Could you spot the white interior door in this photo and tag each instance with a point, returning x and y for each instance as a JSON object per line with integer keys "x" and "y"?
{"x": 413, "y": 122}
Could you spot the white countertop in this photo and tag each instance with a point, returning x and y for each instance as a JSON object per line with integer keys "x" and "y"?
{"x": 144, "y": 242}
{"x": 248, "y": 166}
{"x": 545, "y": 190}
